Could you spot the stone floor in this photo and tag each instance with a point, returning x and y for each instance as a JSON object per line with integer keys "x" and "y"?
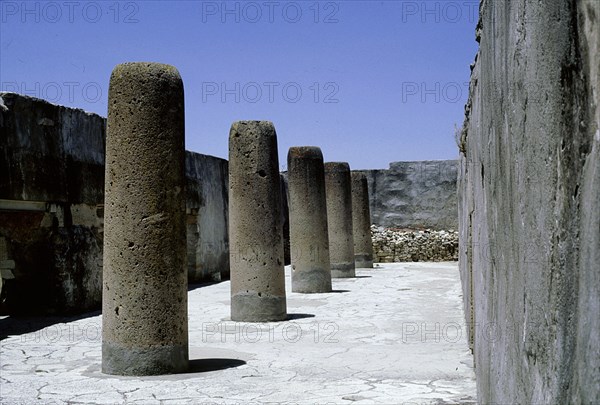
{"x": 393, "y": 335}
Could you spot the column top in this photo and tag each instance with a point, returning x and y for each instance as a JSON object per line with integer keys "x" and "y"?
{"x": 137, "y": 69}
{"x": 305, "y": 152}
{"x": 337, "y": 167}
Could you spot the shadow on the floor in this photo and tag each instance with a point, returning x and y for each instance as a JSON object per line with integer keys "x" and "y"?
{"x": 22, "y": 325}
{"x": 291, "y": 317}
{"x": 195, "y": 366}
{"x": 194, "y": 286}
{"x": 338, "y": 291}
{"x": 207, "y": 365}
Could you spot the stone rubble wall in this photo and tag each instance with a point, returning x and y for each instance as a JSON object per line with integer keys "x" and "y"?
{"x": 409, "y": 245}
{"x": 529, "y": 198}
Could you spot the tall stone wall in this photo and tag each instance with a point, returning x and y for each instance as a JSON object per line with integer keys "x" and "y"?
{"x": 51, "y": 205}
{"x": 529, "y": 198}
{"x": 207, "y": 212}
{"x": 414, "y": 195}
{"x": 52, "y": 208}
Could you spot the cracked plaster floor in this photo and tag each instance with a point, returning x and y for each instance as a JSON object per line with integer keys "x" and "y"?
{"x": 393, "y": 335}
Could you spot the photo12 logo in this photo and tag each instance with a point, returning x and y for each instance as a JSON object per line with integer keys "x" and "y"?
{"x": 56, "y": 92}
{"x": 292, "y": 332}
{"x": 440, "y": 11}
{"x": 87, "y": 332}
{"x": 438, "y": 92}
{"x": 425, "y": 171}
{"x": 27, "y": 12}
{"x": 253, "y": 12}
{"x": 270, "y": 92}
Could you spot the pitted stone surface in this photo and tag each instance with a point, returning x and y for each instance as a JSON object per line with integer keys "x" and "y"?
{"x": 255, "y": 224}
{"x": 145, "y": 277}
{"x": 361, "y": 221}
{"x": 339, "y": 219}
{"x": 311, "y": 268}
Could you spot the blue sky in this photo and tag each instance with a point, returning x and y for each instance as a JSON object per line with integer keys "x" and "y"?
{"x": 370, "y": 82}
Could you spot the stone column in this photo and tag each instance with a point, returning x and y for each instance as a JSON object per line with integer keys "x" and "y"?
{"x": 144, "y": 297}
{"x": 311, "y": 269}
{"x": 339, "y": 219}
{"x": 361, "y": 222}
{"x": 255, "y": 224}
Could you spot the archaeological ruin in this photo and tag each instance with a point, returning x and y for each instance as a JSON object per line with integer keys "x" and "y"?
{"x": 144, "y": 296}
{"x": 255, "y": 226}
{"x": 338, "y": 187}
{"x": 311, "y": 266}
{"x": 361, "y": 222}
{"x": 52, "y": 202}
{"x": 177, "y": 252}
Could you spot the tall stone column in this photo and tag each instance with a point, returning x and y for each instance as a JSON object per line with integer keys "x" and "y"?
{"x": 361, "y": 222}
{"x": 339, "y": 219}
{"x": 255, "y": 224}
{"x": 311, "y": 269}
{"x": 144, "y": 297}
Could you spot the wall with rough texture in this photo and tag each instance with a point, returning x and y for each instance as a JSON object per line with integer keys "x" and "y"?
{"x": 529, "y": 198}
{"x": 207, "y": 210}
{"x": 51, "y": 194}
{"x": 390, "y": 245}
{"x": 414, "y": 195}
{"x": 51, "y": 208}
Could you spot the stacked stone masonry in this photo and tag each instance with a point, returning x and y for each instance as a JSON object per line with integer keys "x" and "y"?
{"x": 409, "y": 245}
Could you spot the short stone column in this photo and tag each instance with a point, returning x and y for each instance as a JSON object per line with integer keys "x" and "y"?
{"x": 255, "y": 224}
{"x": 361, "y": 222}
{"x": 339, "y": 219}
{"x": 311, "y": 270}
{"x": 144, "y": 297}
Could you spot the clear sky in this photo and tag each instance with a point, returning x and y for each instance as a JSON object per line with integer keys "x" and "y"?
{"x": 370, "y": 82}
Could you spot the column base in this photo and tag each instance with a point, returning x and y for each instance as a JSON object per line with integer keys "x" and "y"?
{"x": 141, "y": 361}
{"x": 311, "y": 281}
{"x": 343, "y": 270}
{"x": 252, "y": 307}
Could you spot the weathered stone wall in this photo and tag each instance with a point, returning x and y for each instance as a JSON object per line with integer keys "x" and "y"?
{"x": 207, "y": 210}
{"x": 529, "y": 198}
{"x": 51, "y": 212}
{"x": 51, "y": 208}
{"x": 415, "y": 195}
{"x": 408, "y": 198}
{"x": 406, "y": 245}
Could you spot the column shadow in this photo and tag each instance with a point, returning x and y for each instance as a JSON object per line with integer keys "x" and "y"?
{"x": 213, "y": 364}
{"x": 291, "y": 317}
{"x": 193, "y": 286}
{"x": 24, "y": 324}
